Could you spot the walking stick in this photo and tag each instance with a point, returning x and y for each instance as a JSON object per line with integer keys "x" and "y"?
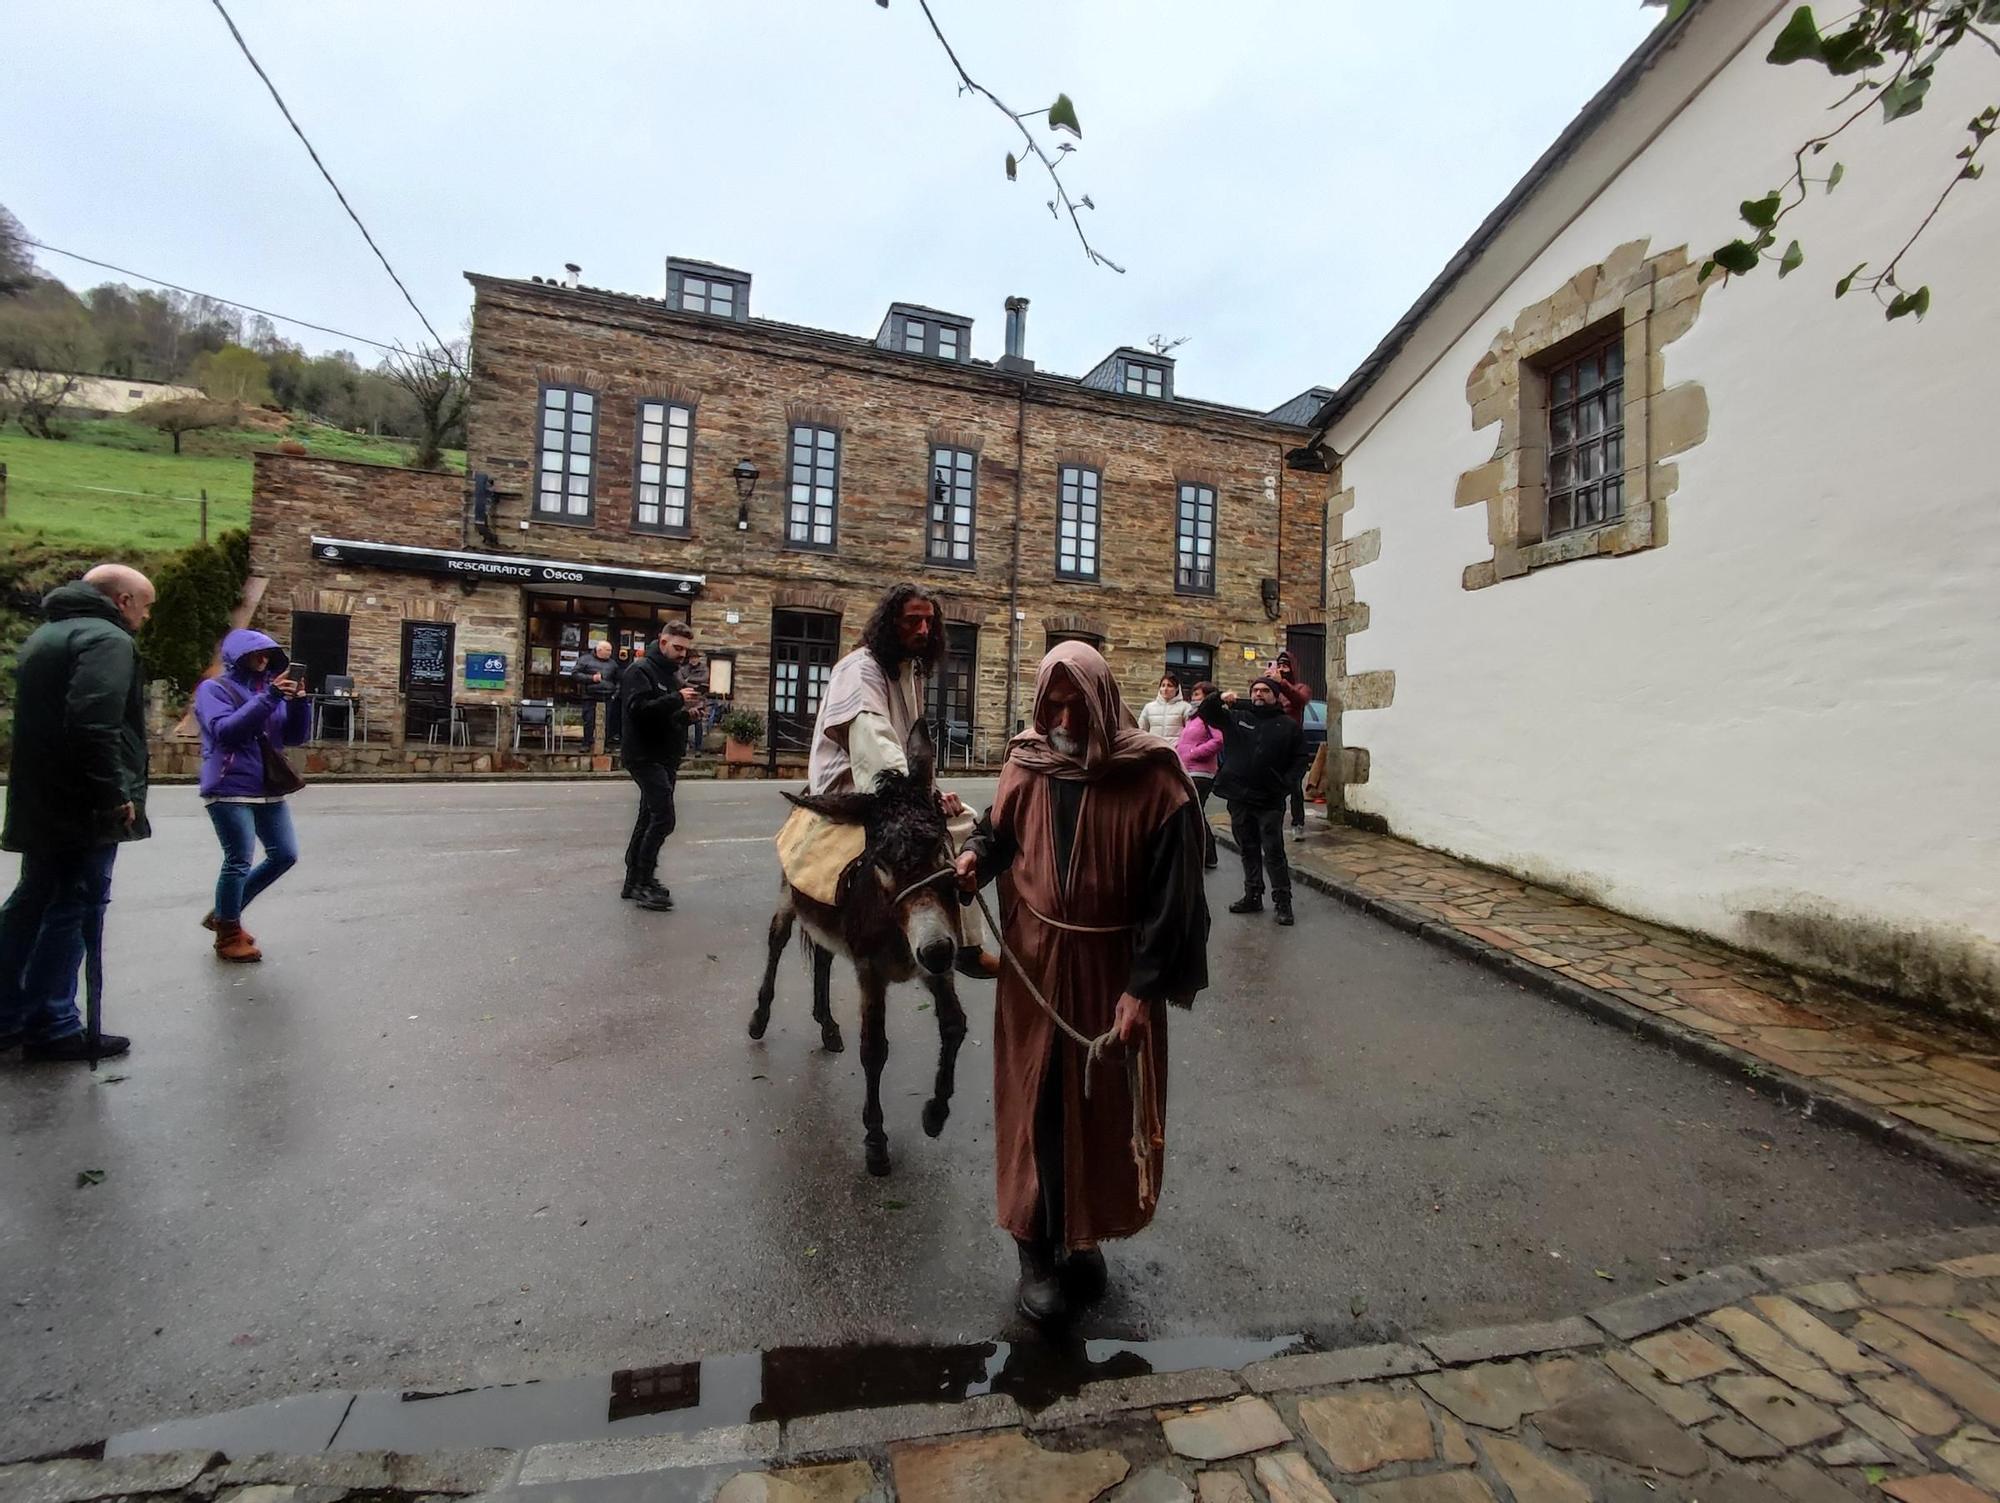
{"x": 93, "y": 975}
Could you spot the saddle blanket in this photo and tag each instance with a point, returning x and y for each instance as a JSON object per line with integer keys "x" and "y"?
{"x": 814, "y": 853}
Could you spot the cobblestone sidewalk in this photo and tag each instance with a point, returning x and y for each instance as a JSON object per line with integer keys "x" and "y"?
{"x": 1931, "y": 1085}
{"x": 1856, "y": 1375}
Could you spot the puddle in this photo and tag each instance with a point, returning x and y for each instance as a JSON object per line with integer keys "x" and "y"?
{"x": 784, "y": 1383}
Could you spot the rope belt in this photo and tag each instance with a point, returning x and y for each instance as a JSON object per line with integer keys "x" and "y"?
{"x": 1147, "y": 1132}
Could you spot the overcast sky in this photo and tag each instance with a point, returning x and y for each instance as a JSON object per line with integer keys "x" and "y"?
{"x": 1280, "y": 178}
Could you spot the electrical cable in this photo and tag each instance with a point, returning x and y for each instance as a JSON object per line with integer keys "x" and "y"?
{"x": 303, "y": 323}
{"x": 284, "y": 110}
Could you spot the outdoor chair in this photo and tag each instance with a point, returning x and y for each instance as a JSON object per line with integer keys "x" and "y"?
{"x": 457, "y": 733}
{"x": 337, "y": 693}
{"x": 536, "y": 717}
{"x": 958, "y": 741}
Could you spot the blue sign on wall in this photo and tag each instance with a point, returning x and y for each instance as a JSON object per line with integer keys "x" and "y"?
{"x": 486, "y": 670}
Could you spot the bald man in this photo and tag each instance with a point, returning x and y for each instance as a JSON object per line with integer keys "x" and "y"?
{"x": 75, "y": 793}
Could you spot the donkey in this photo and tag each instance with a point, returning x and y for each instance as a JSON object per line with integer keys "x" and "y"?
{"x": 892, "y": 924}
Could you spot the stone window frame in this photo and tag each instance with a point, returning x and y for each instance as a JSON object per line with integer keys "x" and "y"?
{"x": 1648, "y": 301}
{"x": 667, "y": 404}
{"x": 965, "y": 460}
{"x": 563, "y": 517}
{"x": 1182, "y": 488}
{"x": 817, "y": 429}
{"x": 1096, "y": 541}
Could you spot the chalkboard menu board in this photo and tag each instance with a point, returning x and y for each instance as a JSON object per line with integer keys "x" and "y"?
{"x": 429, "y": 648}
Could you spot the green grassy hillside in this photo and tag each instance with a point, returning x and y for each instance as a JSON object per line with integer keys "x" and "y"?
{"x": 118, "y": 487}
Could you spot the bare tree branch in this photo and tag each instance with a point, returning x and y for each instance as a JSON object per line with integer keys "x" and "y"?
{"x": 1034, "y": 146}
{"x": 435, "y": 382}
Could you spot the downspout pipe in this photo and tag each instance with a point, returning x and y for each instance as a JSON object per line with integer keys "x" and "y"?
{"x": 1014, "y": 568}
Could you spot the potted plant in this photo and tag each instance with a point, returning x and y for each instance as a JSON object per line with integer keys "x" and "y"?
{"x": 741, "y": 730}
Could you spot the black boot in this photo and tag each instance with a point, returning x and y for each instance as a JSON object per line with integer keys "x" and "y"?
{"x": 76, "y": 1046}
{"x": 1283, "y": 906}
{"x": 1250, "y": 902}
{"x": 1084, "y": 1276}
{"x": 1040, "y": 1297}
{"x": 631, "y": 888}
{"x": 654, "y": 898}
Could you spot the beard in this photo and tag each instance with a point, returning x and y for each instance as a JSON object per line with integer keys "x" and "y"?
{"x": 1064, "y": 742}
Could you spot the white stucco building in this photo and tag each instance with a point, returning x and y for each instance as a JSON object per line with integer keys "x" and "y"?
{"x": 1750, "y": 686}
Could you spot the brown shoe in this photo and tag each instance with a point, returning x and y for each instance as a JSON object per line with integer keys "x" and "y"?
{"x": 977, "y": 964}
{"x": 208, "y": 921}
{"x": 232, "y": 943}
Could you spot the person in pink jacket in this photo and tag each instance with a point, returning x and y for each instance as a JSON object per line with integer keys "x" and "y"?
{"x": 1200, "y": 748}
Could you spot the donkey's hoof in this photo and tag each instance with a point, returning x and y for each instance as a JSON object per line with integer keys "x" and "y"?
{"x": 878, "y": 1159}
{"x": 935, "y": 1113}
{"x": 831, "y": 1041}
{"x": 759, "y": 1021}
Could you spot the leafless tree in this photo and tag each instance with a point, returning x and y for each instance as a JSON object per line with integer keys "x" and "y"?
{"x": 434, "y": 378}
{"x": 34, "y": 383}
{"x": 17, "y": 267}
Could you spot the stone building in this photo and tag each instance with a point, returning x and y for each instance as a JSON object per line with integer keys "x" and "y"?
{"x": 1682, "y": 594}
{"x": 612, "y": 445}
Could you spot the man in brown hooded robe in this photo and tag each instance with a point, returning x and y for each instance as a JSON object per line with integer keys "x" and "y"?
{"x": 1095, "y": 836}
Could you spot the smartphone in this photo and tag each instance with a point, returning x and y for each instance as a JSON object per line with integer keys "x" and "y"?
{"x": 297, "y": 673}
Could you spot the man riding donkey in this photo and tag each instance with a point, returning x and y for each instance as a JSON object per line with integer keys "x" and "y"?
{"x": 871, "y": 701}
{"x": 1095, "y": 835}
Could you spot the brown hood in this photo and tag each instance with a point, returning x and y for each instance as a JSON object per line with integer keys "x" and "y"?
{"x": 1114, "y": 741}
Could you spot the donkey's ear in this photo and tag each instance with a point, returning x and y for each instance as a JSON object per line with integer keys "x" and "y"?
{"x": 921, "y": 754}
{"x": 846, "y": 808}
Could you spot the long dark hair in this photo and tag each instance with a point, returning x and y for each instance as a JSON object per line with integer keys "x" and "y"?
{"x": 879, "y": 633}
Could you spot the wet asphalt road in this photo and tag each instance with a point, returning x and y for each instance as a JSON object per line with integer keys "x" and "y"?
{"x": 475, "y": 1120}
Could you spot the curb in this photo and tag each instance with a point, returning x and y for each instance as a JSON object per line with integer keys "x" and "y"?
{"x": 709, "y": 1456}
{"x": 1774, "y": 1081}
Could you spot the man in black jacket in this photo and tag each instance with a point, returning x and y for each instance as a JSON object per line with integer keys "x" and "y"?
{"x": 596, "y": 675}
{"x": 1263, "y": 754}
{"x": 75, "y": 793}
{"x": 656, "y": 710}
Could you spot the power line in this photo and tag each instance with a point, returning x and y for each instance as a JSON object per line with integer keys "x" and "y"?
{"x": 286, "y": 112}
{"x": 303, "y": 323}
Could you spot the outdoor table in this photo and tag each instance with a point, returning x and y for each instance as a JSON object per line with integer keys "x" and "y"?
{"x": 465, "y": 710}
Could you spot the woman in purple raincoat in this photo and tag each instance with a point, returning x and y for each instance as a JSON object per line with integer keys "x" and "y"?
{"x": 248, "y": 716}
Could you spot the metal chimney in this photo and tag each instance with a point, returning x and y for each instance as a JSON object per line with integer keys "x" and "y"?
{"x": 1017, "y": 334}
{"x": 571, "y": 271}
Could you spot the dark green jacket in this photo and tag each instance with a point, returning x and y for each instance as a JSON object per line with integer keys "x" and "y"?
{"x": 79, "y": 729}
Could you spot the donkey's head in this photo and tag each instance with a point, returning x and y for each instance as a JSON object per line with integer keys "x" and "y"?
{"x": 892, "y": 900}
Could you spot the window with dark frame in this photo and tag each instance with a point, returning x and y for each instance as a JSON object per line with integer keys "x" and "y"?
{"x": 1586, "y": 473}
{"x": 947, "y": 342}
{"x": 1194, "y": 541}
{"x": 1076, "y": 523}
{"x": 812, "y": 512}
{"x": 914, "y": 334}
{"x": 660, "y": 485}
{"x": 708, "y": 295}
{"x": 563, "y": 485}
{"x": 948, "y": 538}
{"x": 1142, "y": 380}
{"x": 950, "y": 697}
{"x": 1189, "y": 663}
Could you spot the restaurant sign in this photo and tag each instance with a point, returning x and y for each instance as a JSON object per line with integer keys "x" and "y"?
{"x": 497, "y": 566}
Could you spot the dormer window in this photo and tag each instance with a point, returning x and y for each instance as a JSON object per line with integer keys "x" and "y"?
{"x": 1134, "y": 373}
{"x": 912, "y": 330}
{"x": 1143, "y": 380}
{"x": 698, "y": 287}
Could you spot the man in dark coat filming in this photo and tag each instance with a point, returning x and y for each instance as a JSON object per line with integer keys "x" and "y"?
{"x": 1263, "y": 755}
{"x": 656, "y": 709}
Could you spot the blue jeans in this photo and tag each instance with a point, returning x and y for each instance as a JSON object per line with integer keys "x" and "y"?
{"x": 42, "y": 929}
{"x": 239, "y": 827}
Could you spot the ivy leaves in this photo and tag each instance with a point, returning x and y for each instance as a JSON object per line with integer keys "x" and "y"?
{"x": 1907, "y": 38}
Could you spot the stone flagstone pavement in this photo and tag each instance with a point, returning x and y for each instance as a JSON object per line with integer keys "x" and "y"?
{"x": 1928, "y": 1083}
{"x": 1866, "y": 1374}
